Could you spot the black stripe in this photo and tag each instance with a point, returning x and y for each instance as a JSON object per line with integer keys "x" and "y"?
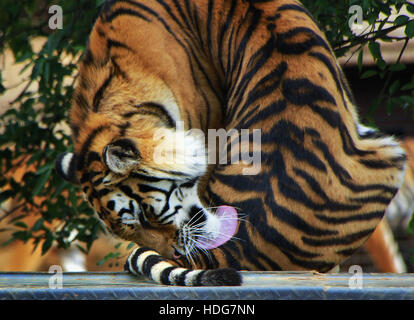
{"x": 329, "y": 204}
{"x": 180, "y": 279}
{"x": 343, "y": 175}
{"x": 199, "y": 277}
{"x": 348, "y": 144}
{"x": 166, "y": 117}
{"x": 148, "y": 178}
{"x": 255, "y": 63}
{"x": 128, "y": 191}
{"x": 81, "y": 101}
{"x": 164, "y": 278}
{"x": 337, "y": 169}
{"x": 281, "y": 134}
{"x": 140, "y": 6}
{"x": 327, "y": 62}
{"x": 93, "y": 156}
{"x": 87, "y": 57}
{"x": 124, "y": 11}
{"x": 179, "y": 8}
{"x": 346, "y": 240}
{"x": 209, "y": 25}
{"x": 382, "y": 164}
{"x": 321, "y": 266}
{"x": 165, "y": 218}
{"x": 295, "y": 7}
{"x": 265, "y": 86}
{"x": 347, "y": 252}
{"x": 149, "y": 263}
{"x": 144, "y": 223}
{"x": 123, "y": 128}
{"x": 285, "y": 45}
{"x": 191, "y": 56}
{"x": 223, "y": 30}
{"x": 270, "y": 234}
{"x": 97, "y": 182}
{"x": 302, "y": 91}
{"x": 86, "y": 145}
{"x": 254, "y": 22}
{"x": 345, "y": 86}
{"x": 149, "y": 188}
{"x": 373, "y": 199}
{"x": 99, "y": 94}
{"x": 355, "y": 217}
{"x": 274, "y": 17}
{"x": 116, "y": 44}
{"x": 134, "y": 259}
{"x": 172, "y": 15}
{"x": 261, "y": 114}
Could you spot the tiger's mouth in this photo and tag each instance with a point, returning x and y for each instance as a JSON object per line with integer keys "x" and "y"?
{"x": 178, "y": 253}
{"x": 228, "y": 225}
{"x": 212, "y": 233}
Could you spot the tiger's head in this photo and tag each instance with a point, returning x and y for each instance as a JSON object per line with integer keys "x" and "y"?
{"x": 143, "y": 183}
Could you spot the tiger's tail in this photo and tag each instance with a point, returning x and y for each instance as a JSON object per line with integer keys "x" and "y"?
{"x": 147, "y": 262}
{"x": 382, "y": 246}
{"x": 401, "y": 207}
{"x": 383, "y": 250}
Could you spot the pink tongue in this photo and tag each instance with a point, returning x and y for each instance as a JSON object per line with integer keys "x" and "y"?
{"x": 228, "y": 219}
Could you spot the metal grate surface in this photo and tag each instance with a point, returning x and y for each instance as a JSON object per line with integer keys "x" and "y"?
{"x": 256, "y": 286}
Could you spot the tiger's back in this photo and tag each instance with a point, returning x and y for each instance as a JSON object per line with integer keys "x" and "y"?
{"x": 323, "y": 182}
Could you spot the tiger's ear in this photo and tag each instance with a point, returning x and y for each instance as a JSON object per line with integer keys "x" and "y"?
{"x": 121, "y": 156}
{"x": 65, "y": 166}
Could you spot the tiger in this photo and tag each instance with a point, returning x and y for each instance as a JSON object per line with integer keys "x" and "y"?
{"x": 158, "y": 76}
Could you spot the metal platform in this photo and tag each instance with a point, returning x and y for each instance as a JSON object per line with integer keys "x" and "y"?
{"x": 256, "y": 286}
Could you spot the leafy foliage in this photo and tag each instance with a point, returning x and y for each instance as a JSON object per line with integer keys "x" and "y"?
{"x": 32, "y": 128}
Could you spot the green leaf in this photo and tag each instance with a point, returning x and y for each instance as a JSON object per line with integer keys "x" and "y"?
{"x": 369, "y": 74}
{"x": 21, "y": 224}
{"x": 411, "y": 224}
{"x": 375, "y": 49}
{"x": 410, "y": 8}
{"x": 381, "y": 64}
{"x": 409, "y": 29}
{"x": 398, "y": 67}
{"x": 41, "y": 181}
{"x": 109, "y": 256}
{"x": 38, "y": 225}
{"x": 47, "y": 244}
{"x": 360, "y": 60}
{"x": 99, "y": 3}
{"x": 44, "y": 168}
{"x": 118, "y": 245}
{"x": 402, "y": 19}
{"x": 131, "y": 245}
{"x": 394, "y": 87}
{"x": 408, "y": 86}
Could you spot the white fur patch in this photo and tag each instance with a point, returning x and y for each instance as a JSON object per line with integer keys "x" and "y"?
{"x": 157, "y": 269}
{"x": 174, "y": 274}
{"x": 121, "y": 202}
{"x": 65, "y": 163}
{"x": 364, "y": 130}
{"x": 191, "y": 277}
{"x": 143, "y": 256}
{"x": 181, "y": 151}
